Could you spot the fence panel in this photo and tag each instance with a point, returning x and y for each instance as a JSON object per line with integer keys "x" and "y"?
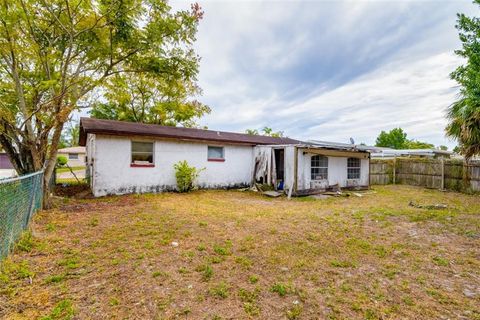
{"x": 381, "y": 172}
{"x": 474, "y": 175}
{"x": 450, "y": 174}
{"x": 20, "y": 198}
{"x": 419, "y": 172}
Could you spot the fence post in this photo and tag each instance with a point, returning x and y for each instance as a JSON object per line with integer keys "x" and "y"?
{"x": 394, "y": 169}
{"x": 442, "y": 163}
{"x": 33, "y": 193}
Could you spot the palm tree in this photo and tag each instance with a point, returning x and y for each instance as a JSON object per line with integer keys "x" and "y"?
{"x": 464, "y": 125}
{"x": 464, "y": 114}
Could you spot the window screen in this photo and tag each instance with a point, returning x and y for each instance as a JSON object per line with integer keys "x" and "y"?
{"x": 142, "y": 152}
{"x": 353, "y": 168}
{"x": 319, "y": 168}
{"x": 73, "y": 156}
{"x": 215, "y": 152}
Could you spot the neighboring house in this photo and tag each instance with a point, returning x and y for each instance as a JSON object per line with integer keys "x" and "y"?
{"x": 128, "y": 157}
{"x": 74, "y": 155}
{"x": 387, "y": 153}
{"x": 6, "y": 167}
{"x": 5, "y": 161}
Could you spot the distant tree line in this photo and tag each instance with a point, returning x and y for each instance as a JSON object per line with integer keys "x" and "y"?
{"x": 397, "y": 139}
{"x": 266, "y": 131}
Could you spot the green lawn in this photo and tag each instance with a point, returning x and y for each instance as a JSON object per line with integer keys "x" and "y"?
{"x": 239, "y": 255}
{"x": 66, "y": 169}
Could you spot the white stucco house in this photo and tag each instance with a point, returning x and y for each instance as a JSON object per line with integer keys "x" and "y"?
{"x": 126, "y": 157}
{"x": 75, "y": 156}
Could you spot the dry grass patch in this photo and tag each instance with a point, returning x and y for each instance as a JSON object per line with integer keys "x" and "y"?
{"x": 238, "y": 255}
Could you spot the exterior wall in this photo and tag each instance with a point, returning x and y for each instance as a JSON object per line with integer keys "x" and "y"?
{"x": 91, "y": 156}
{"x": 337, "y": 171}
{"x": 5, "y": 161}
{"x": 112, "y": 173}
{"x": 7, "y": 173}
{"x": 74, "y": 163}
{"x": 6, "y": 167}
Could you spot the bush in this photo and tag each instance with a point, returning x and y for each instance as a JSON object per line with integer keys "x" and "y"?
{"x": 186, "y": 175}
{"x": 61, "y": 161}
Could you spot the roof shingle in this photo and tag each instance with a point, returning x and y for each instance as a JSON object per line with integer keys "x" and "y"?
{"x": 123, "y": 128}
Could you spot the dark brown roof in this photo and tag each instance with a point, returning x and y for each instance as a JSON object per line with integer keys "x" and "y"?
{"x": 123, "y": 128}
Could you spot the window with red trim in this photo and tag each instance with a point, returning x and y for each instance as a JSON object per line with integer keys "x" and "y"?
{"x": 142, "y": 154}
{"x": 216, "y": 153}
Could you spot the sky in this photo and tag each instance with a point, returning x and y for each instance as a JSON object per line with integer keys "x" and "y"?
{"x": 329, "y": 70}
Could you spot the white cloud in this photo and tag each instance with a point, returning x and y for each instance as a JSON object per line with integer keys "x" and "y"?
{"x": 413, "y": 96}
{"x": 329, "y": 70}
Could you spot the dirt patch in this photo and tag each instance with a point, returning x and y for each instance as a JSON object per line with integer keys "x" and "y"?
{"x": 97, "y": 205}
{"x": 78, "y": 191}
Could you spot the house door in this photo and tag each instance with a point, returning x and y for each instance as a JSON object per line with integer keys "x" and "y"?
{"x": 280, "y": 168}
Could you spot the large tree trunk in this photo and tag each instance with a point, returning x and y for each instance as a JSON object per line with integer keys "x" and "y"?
{"x": 50, "y": 165}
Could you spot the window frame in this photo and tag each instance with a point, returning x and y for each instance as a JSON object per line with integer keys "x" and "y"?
{"x": 142, "y": 165}
{"x": 356, "y": 170}
{"x": 71, "y": 154}
{"x": 222, "y": 159}
{"x": 318, "y": 167}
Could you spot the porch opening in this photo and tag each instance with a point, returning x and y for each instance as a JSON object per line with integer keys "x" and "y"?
{"x": 279, "y": 156}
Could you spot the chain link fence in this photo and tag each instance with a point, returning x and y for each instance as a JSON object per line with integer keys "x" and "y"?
{"x": 20, "y": 198}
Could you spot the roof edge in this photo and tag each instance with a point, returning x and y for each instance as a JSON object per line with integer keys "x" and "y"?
{"x": 192, "y": 134}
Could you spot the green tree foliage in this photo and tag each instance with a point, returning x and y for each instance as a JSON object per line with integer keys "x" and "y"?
{"x": 70, "y": 136}
{"x": 74, "y": 134}
{"x": 185, "y": 176}
{"x": 442, "y": 147}
{"x": 266, "y": 131}
{"x": 63, "y": 142}
{"x": 56, "y": 55}
{"x": 253, "y": 132}
{"x": 269, "y": 132}
{"x": 464, "y": 114}
{"x": 415, "y": 144}
{"x": 397, "y": 139}
{"x": 141, "y": 98}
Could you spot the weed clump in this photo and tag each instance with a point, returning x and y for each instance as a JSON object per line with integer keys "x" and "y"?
{"x": 26, "y": 242}
{"x": 439, "y": 261}
{"x": 55, "y": 278}
{"x": 294, "y": 312}
{"x": 253, "y": 279}
{"x": 342, "y": 264}
{"x": 207, "y": 272}
{"x": 280, "y": 288}
{"x": 62, "y": 310}
{"x": 221, "y": 290}
{"x": 186, "y": 176}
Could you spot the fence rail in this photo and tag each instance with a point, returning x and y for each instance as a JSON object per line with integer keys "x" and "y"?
{"x": 450, "y": 174}
{"x": 20, "y": 198}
